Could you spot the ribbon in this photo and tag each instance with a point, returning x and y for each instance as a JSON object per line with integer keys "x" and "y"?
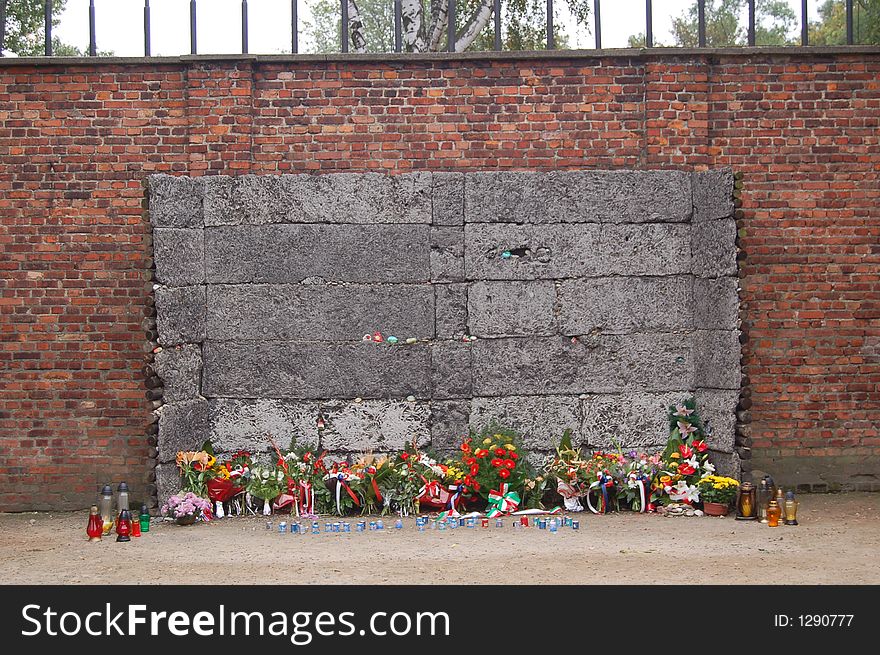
{"x": 454, "y": 498}
{"x": 602, "y": 483}
{"x": 307, "y": 498}
{"x": 376, "y": 490}
{"x": 340, "y": 484}
{"x": 502, "y": 501}
{"x": 641, "y": 479}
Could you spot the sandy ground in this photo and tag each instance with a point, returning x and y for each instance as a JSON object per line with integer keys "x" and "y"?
{"x": 835, "y": 543}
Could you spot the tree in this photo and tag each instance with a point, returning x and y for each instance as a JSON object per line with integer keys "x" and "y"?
{"x": 424, "y": 25}
{"x": 775, "y": 24}
{"x": 830, "y": 29}
{"x": 22, "y": 29}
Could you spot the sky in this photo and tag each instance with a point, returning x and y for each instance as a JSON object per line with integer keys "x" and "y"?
{"x": 119, "y": 24}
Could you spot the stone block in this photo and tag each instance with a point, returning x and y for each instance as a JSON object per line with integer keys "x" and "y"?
{"x": 634, "y": 420}
{"x": 180, "y": 368}
{"x": 598, "y": 364}
{"x": 374, "y": 425}
{"x": 179, "y": 255}
{"x": 245, "y": 424}
{"x": 448, "y": 199}
{"x": 727, "y": 464}
{"x": 578, "y": 197}
{"x": 175, "y": 201}
{"x": 449, "y": 424}
{"x": 571, "y": 251}
{"x": 180, "y": 314}
{"x": 713, "y": 248}
{"x": 297, "y": 253}
{"x": 447, "y": 254}
{"x": 625, "y": 304}
{"x": 713, "y": 194}
{"x": 182, "y": 426}
{"x": 716, "y": 303}
{"x": 717, "y": 408}
{"x": 319, "y": 312}
{"x": 717, "y": 355}
{"x": 217, "y": 205}
{"x": 450, "y": 310}
{"x": 540, "y": 420}
{"x": 451, "y": 369}
{"x": 501, "y": 308}
{"x": 167, "y": 481}
{"x": 362, "y": 198}
{"x": 309, "y": 370}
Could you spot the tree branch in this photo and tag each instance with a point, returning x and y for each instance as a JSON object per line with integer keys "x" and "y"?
{"x": 439, "y": 13}
{"x": 474, "y": 26}
{"x": 413, "y": 26}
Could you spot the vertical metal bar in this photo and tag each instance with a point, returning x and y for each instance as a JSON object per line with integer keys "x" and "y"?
{"x": 47, "y": 24}
{"x": 850, "y": 38}
{"x": 147, "y": 48}
{"x": 192, "y": 27}
{"x": 551, "y": 38}
{"x": 805, "y": 25}
{"x": 597, "y": 11}
{"x": 2, "y": 28}
{"x": 244, "y": 27}
{"x": 344, "y": 25}
{"x": 398, "y": 27}
{"x": 496, "y": 11}
{"x": 93, "y": 49}
{"x": 649, "y": 24}
{"x": 751, "y": 22}
{"x": 294, "y": 26}
{"x": 701, "y": 23}
{"x": 450, "y": 27}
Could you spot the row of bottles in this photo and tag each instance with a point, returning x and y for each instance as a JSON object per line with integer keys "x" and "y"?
{"x": 102, "y": 517}
{"x": 766, "y": 503}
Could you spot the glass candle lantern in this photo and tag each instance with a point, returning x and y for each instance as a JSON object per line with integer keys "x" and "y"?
{"x": 773, "y": 514}
{"x": 790, "y": 509}
{"x": 144, "y": 518}
{"x": 95, "y": 527}
{"x": 746, "y": 503}
{"x": 105, "y": 508}
{"x": 123, "y": 526}
{"x": 762, "y": 497}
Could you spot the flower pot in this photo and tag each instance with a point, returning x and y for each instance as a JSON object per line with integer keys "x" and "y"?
{"x": 189, "y": 519}
{"x": 715, "y": 509}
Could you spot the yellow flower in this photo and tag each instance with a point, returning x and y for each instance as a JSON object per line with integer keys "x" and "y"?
{"x": 674, "y": 455}
{"x": 487, "y": 440}
{"x": 510, "y": 446}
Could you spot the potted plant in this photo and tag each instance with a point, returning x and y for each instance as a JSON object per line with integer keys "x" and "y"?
{"x": 187, "y": 508}
{"x": 717, "y": 492}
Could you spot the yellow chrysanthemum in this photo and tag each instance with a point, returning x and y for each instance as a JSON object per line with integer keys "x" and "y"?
{"x": 510, "y": 446}
{"x": 487, "y": 440}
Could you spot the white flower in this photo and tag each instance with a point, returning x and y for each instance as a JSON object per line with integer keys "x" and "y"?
{"x": 692, "y": 462}
{"x": 681, "y": 410}
{"x": 683, "y": 491}
{"x": 708, "y": 467}
{"x": 685, "y": 428}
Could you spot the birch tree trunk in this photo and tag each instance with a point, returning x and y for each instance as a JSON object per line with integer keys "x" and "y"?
{"x": 356, "y": 28}
{"x": 413, "y": 26}
{"x": 474, "y": 26}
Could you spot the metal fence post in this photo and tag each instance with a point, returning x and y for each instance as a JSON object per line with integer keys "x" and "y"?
{"x": 805, "y": 25}
{"x": 551, "y": 38}
{"x": 244, "y": 27}
{"x": 47, "y": 25}
{"x": 398, "y": 27}
{"x": 450, "y": 27}
{"x": 701, "y": 23}
{"x": 294, "y": 26}
{"x": 93, "y": 50}
{"x": 497, "y": 19}
{"x": 597, "y": 10}
{"x": 751, "y": 22}
{"x": 147, "y": 49}
{"x": 344, "y": 25}
{"x": 649, "y": 24}
{"x": 850, "y": 37}
{"x": 2, "y": 28}
{"x": 192, "y": 27}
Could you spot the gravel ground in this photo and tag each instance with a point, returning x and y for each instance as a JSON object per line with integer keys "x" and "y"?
{"x": 836, "y": 543}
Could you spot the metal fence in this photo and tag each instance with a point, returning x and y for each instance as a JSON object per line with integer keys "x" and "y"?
{"x": 451, "y": 8}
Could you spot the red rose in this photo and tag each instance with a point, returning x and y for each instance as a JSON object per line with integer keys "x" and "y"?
{"x": 504, "y": 474}
{"x": 496, "y": 462}
{"x": 470, "y": 461}
{"x": 404, "y": 456}
{"x": 465, "y": 447}
{"x": 701, "y": 446}
{"x": 481, "y": 453}
{"x": 500, "y": 452}
{"x": 476, "y": 486}
{"x": 475, "y": 469}
{"x": 513, "y": 455}
{"x": 509, "y": 463}
{"x": 686, "y": 469}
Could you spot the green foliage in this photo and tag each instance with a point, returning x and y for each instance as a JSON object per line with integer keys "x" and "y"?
{"x": 830, "y": 29}
{"x": 24, "y": 30}
{"x": 775, "y": 24}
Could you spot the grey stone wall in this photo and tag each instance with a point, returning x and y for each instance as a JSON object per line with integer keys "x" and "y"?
{"x": 588, "y": 300}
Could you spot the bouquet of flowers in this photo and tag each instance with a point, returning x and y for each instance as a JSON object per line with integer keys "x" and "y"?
{"x": 569, "y": 470}
{"x": 306, "y": 470}
{"x": 417, "y": 479}
{"x": 634, "y": 476}
{"x": 266, "y": 483}
{"x": 375, "y": 475}
{"x": 229, "y": 476}
{"x": 718, "y": 489}
{"x": 685, "y": 460}
{"x": 196, "y": 469}
{"x": 600, "y": 470}
{"x": 495, "y": 467}
{"x": 187, "y": 508}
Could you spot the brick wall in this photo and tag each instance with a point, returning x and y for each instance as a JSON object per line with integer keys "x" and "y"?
{"x": 77, "y": 142}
